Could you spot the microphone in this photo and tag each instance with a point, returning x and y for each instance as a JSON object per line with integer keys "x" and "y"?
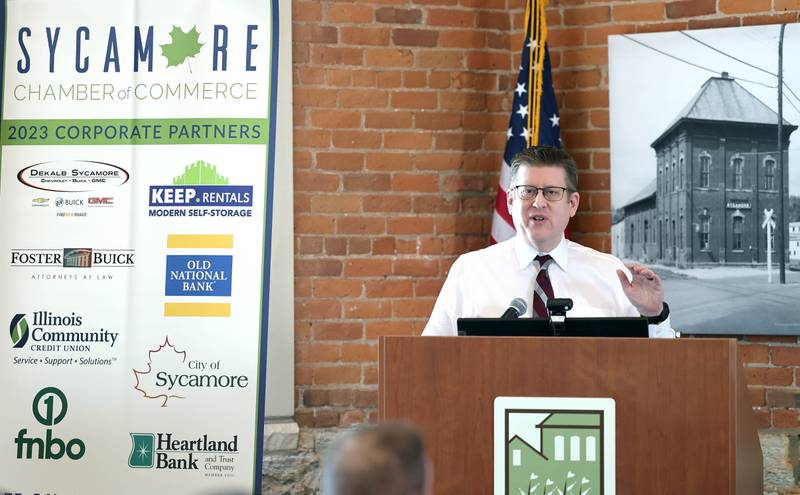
{"x": 516, "y": 308}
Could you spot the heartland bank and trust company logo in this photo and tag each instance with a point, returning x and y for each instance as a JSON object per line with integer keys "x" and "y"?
{"x": 214, "y": 458}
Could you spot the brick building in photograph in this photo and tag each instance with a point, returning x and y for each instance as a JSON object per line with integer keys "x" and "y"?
{"x": 716, "y": 173}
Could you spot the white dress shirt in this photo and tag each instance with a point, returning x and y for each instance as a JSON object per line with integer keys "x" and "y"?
{"x": 482, "y": 283}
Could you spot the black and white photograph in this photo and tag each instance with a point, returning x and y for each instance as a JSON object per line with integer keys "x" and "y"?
{"x": 700, "y": 189}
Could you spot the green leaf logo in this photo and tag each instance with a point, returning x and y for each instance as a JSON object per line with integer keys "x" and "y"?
{"x": 183, "y": 46}
{"x": 19, "y": 331}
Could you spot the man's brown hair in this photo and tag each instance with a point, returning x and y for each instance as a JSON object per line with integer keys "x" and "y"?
{"x": 385, "y": 459}
{"x": 545, "y": 156}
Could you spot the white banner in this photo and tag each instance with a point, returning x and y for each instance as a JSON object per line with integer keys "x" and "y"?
{"x": 135, "y": 205}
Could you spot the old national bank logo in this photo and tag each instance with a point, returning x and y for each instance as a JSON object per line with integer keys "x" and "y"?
{"x": 44, "y": 338}
{"x": 554, "y": 446}
{"x": 198, "y": 267}
{"x": 171, "y": 374}
{"x": 72, "y": 176}
{"x": 214, "y": 458}
{"x": 49, "y": 409}
{"x": 201, "y": 192}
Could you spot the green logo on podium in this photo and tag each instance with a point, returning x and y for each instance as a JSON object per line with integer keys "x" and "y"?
{"x": 554, "y": 446}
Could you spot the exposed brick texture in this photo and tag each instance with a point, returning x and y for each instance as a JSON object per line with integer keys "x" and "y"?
{"x": 400, "y": 111}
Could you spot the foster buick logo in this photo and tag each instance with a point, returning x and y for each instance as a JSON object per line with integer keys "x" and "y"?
{"x": 68, "y": 176}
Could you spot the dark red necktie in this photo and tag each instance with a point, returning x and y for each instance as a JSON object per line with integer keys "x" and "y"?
{"x": 543, "y": 290}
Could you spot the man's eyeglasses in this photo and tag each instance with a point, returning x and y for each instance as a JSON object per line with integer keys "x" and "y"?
{"x": 550, "y": 193}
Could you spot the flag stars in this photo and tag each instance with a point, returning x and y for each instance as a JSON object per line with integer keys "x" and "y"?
{"x": 520, "y": 89}
{"x": 555, "y": 119}
{"x": 525, "y": 134}
{"x": 509, "y": 133}
{"x": 522, "y": 111}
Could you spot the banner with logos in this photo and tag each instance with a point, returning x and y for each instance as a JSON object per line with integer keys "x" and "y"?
{"x": 135, "y": 208}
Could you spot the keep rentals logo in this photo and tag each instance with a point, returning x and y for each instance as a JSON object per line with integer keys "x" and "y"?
{"x": 200, "y": 192}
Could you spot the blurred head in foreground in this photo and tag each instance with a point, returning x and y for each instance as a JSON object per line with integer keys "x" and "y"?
{"x": 385, "y": 459}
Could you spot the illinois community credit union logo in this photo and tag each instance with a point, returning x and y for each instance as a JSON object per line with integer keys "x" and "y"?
{"x": 19, "y": 331}
{"x": 554, "y": 446}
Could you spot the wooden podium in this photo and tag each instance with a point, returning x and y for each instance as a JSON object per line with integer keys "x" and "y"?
{"x": 684, "y": 424}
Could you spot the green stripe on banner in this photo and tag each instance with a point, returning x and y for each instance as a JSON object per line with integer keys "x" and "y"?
{"x": 134, "y": 131}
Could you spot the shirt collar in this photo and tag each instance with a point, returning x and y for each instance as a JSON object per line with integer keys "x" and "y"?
{"x": 526, "y": 253}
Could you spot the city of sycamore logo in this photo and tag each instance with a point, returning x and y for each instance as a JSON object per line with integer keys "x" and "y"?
{"x": 201, "y": 192}
{"x": 169, "y": 374}
{"x": 554, "y": 446}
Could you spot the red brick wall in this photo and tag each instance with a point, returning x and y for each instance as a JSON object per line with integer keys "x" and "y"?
{"x": 400, "y": 111}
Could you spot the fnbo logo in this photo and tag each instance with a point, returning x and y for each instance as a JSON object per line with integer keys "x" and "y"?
{"x": 49, "y": 409}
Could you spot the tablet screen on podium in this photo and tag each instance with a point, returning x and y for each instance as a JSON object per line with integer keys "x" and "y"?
{"x": 629, "y": 327}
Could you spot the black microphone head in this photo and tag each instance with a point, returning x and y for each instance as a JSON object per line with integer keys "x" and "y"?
{"x": 516, "y": 308}
{"x": 520, "y": 305}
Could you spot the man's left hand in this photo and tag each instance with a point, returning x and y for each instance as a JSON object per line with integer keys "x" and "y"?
{"x": 645, "y": 290}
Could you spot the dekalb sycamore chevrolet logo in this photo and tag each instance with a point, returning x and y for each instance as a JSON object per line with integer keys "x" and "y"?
{"x": 201, "y": 192}
{"x": 70, "y": 176}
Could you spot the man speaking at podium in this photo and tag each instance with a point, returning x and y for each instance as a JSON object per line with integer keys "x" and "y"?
{"x": 539, "y": 263}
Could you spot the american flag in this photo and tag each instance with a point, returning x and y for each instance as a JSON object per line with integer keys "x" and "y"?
{"x": 534, "y": 114}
